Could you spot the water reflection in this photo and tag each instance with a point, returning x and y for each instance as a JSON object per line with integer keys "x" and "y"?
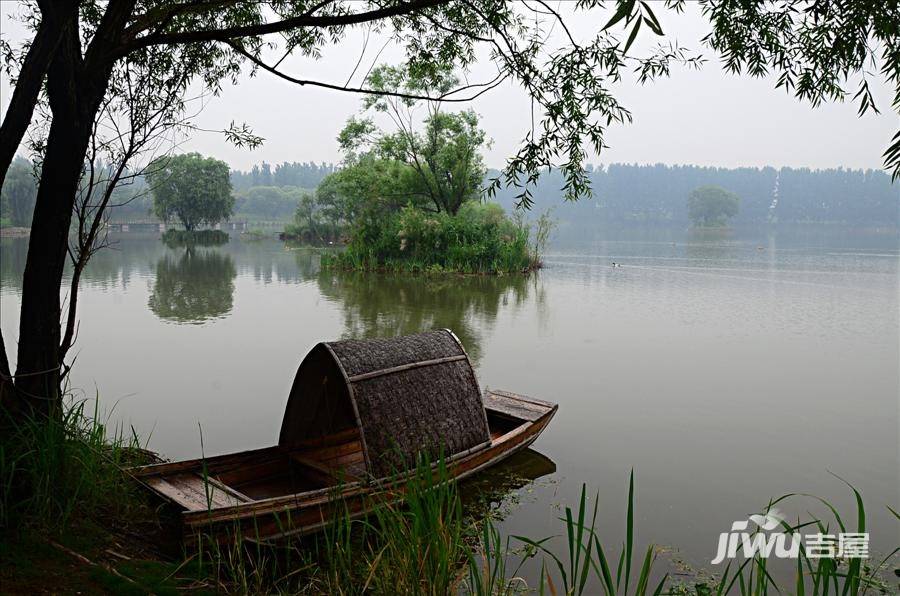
{"x": 283, "y": 265}
{"x": 496, "y": 486}
{"x": 658, "y": 355}
{"x": 13, "y": 252}
{"x": 194, "y": 288}
{"x": 390, "y": 305}
{"x": 711, "y": 244}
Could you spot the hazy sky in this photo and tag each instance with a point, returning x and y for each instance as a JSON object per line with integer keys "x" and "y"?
{"x": 702, "y": 117}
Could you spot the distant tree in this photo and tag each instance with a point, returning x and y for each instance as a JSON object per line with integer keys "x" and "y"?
{"x": 19, "y": 192}
{"x": 194, "y": 189}
{"x": 303, "y": 175}
{"x": 712, "y": 206}
{"x": 265, "y": 174}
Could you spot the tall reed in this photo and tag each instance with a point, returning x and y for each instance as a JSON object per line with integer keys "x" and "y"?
{"x": 52, "y": 468}
{"x": 815, "y": 575}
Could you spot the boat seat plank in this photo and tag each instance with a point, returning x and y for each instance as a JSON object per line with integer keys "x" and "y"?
{"x": 189, "y": 491}
{"x": 514, "y": 406}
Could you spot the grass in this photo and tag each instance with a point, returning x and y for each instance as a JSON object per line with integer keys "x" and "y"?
{"x": 53, "y": 471}
{"x": 480, "y": 238}
{"x": 70, "y": 516}
{"x": 80, "y": 506}
{"x": 424, "y": 543}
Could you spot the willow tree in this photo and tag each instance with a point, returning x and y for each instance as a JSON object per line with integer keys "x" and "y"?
{"x": 81, "y": 52}
{"x": 193, "y": 189}
{"x": 445, "y": 157}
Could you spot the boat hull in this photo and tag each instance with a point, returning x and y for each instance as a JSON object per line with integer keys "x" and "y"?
{"x": 517, "y": 422}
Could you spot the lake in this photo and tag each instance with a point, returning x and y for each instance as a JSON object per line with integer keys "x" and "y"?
{"x": 725, "y": 368}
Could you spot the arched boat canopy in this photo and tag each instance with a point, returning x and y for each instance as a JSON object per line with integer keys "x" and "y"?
{"x": 404, "y": 394}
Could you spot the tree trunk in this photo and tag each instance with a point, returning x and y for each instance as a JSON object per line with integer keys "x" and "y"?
{"x": 8, "y": 400}
{"x": 75, "y": 94}
{"x": 55, "y": 15}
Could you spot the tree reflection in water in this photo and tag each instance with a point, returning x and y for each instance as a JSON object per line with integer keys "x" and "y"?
{"x": 194, "y": 288}
{"x": 385, "y": 305}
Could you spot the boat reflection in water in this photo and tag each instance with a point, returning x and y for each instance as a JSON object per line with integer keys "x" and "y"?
{"x": 489, "y": 490}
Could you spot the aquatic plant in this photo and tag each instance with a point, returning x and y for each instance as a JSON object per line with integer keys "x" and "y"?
{"x": 480, "y": 238}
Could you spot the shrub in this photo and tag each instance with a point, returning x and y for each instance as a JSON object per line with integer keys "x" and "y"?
{"x": 480, "y": 238}
{"x": 176, "y": 238}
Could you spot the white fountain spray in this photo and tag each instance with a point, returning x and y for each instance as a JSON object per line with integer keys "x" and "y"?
{"x": 772, "y": 217}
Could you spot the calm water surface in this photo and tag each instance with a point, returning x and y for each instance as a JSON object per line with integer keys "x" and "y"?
{"x": 724, "y": 368}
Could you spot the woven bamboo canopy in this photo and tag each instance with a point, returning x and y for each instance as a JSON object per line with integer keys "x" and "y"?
{"x": 404, "y": 395}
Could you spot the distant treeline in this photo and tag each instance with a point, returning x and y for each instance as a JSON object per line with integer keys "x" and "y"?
{"x": 658, "y": 194}
{"x": 265, "y": 192}
{"x": 623, "y": 194}
{"x": 302, "y": 175}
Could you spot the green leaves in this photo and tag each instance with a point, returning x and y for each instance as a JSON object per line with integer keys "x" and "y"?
{"x": 814, "y": 49}
{"x": 443, "y": 154}
{"x": 625, "y": 9}
{"x": 191, "y": 188}
{"x": 892, "y": 157}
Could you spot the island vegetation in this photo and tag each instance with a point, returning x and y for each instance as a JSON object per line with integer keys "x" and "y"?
{"x": 174, "y": 237}
{"x": 408, "y": 198}
{"x": 712, "y": 206}
{"x": 87, "y": 64}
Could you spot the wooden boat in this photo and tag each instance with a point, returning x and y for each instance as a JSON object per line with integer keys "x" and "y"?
{"x": 359, "y": 415}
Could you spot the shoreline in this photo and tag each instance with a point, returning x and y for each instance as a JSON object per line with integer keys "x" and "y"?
{"x": 14, "y": 232}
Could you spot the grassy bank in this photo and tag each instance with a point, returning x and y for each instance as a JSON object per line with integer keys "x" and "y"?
{"x": 480, "y": 238}
{"x": 73, "y": 519}
{"x": 70, "y": 517}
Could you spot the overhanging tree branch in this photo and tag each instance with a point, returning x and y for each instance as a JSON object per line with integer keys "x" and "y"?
{"x": 300, "y": 21}
{"x": 369, "y": 91}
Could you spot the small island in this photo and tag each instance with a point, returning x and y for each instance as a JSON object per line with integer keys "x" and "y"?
{"x": 408, "y": 198}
